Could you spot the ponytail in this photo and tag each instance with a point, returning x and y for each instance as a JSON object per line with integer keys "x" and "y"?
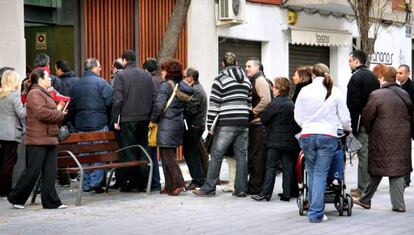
{"x": 328, "y": 83}
{"x": 321, "y": 70}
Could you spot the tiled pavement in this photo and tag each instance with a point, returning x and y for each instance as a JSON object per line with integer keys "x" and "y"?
{"x": 135, "y": 213}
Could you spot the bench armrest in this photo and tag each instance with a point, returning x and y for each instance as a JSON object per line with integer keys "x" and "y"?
{"x": 137, "y": 146}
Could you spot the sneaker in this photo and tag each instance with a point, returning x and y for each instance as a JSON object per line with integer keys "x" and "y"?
{"x": 16, "y": 206}
{"x": 325, "y": 218}
{"x": 63, "y": 206}
{"x": 200, "y": 192}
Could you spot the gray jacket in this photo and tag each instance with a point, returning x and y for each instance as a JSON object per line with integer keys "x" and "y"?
{"x": 11, "y": 111}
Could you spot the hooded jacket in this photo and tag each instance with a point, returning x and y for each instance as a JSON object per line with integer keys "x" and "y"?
{"x": 231, "y": 98}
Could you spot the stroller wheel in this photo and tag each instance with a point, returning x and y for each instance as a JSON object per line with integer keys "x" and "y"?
{"x": 350, "y": 204}
{"x": 341, "y": 206}
{"x": 301, "y": 203}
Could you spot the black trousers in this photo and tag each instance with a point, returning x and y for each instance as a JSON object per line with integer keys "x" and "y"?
{"x": 287, "y": 158}
{"x": 40, "y": 159}
{"x": 133, "y": 133}
{"x": 192, "y": 154}
{"x": 8, "y": 157}
{"x": 256, "y": 158}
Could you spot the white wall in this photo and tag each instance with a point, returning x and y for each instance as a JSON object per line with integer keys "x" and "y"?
{"x": 12, "y": 41}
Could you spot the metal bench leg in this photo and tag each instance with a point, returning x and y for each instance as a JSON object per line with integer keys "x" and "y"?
{"x": 108, "y": 180}
{"x": 79, "y": 198}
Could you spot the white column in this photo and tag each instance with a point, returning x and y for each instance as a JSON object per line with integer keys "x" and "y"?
{"x": 12, "y": 41}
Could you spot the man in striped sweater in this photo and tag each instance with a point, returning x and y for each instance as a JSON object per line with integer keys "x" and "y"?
{"x": 230, "y": 102}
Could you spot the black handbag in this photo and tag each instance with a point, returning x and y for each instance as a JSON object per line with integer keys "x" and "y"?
{"x": 63, "y": 133}
{"x": 208, "y": 141}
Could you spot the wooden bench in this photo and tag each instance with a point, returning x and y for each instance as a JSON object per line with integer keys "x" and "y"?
{"x": 96, "y": 147}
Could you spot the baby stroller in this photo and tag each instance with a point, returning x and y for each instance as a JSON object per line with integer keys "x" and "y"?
{"x": 335, "y": 189}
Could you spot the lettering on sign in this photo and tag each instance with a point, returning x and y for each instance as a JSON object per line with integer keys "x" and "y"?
{"x": 381, "y": 58}
{"x": 321, "y": 38}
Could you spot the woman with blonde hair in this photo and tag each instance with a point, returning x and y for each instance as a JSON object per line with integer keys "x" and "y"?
{"x": 11, "y": 111}
{"x": 318, "y": 109}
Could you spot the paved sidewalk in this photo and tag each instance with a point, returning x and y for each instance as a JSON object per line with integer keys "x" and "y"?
{"x": 135, "y": 213}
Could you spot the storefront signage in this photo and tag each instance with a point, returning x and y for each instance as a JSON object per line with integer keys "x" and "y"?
{"x": 379, "y": 57}
{"x": 322, "y": 38}
{"x": 41, "y": 41}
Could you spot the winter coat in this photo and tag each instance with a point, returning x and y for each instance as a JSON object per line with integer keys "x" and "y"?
{"x": 170, "y": 122}
{"x": 67, "y": 80}
{"x": 278, "y": 118}
{"x": 11, "y": 111}
{"x": 134, "y": 95}
{"x": 387, "y": 119}
{"x": 196, "y": 111}
{"x": 360, "y": 86}
{"x": 91, "y": 102}
{"x": 42, "y": 118}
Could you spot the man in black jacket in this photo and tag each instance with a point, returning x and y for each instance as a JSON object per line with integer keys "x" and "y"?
{"x": 360, "y": 86}
{"x": 403, "y": 77}
{"x": 134, "y": 95}
{"x": 195, "y": 116}
{"x": 43, "y": 61}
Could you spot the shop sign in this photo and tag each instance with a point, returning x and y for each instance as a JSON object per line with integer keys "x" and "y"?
{"x": 41, "y": 41}
{"x": 380, "y": 57}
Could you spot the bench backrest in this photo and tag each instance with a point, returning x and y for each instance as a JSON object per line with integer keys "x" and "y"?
{"x": 88, "y": 148}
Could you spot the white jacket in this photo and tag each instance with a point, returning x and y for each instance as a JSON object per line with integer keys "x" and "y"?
{"x": 319, "y": 116}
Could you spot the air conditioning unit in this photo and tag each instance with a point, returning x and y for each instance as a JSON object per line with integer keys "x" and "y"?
{"x": 230, "y": 12}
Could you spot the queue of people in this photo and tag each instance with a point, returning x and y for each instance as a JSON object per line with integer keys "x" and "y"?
{"x": 247, "y": 113}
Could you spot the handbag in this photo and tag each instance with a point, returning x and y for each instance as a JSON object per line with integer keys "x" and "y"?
{"x": 208, "y": 141}
{"x": 63, "y": 133}
{"x": 153, "y": 127}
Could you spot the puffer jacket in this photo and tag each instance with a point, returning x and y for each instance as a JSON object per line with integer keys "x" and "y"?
{"x": 42, "y": 118}
{"x": 278, "y": 118}
{"x": 170, "y": 122}
{"x": 387, "y": 119}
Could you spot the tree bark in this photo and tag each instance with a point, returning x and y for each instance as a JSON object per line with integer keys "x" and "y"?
{"x": 175, "y": 25}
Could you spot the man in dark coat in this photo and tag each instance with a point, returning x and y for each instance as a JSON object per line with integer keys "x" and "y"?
{"x": 91, "y": 99}
{"x": 360, "y": 86}
{"x": 134, "y": 95}
{"x": 66, "y": 76}
{"x": 195, "y": 115}
{"x": 403, "y": 77}
{"x": 387, "y": 119}
{"x": 43, "y": 61}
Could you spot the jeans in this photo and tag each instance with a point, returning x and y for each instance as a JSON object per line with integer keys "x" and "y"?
{"x": 192, "y": 154}
{"x": 155, "y": 182}
{"x": 224, "y": 137}
{"x": 319, "y": 151}
{"x": 93, "y": 178}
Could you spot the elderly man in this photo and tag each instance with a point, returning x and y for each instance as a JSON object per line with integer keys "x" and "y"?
{"x": 89, "y": 108}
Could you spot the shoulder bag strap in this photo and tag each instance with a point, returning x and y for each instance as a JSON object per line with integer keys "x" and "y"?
{"x": 171, "y": 98}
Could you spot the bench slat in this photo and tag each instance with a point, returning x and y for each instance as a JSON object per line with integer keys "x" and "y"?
{"x": 89, "y": 148}
{"x": 91, "y": 136}
{"x": 64, "y": 161}
{"x": 106, "y": 166}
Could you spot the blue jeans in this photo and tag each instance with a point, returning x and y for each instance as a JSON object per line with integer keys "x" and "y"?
{"x": 224, "y": 137}
{"x": 319, "y": 151}
{"x": 93, "y": 178}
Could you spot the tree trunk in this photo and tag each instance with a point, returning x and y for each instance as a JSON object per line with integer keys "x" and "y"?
{"x": 175, "y": 25}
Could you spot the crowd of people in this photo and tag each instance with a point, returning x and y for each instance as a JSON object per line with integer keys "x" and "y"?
{"x": 259, "y": 124}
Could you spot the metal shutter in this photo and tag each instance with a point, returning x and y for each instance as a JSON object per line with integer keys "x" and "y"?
{"x": 306, "y": 55}
{"x": 242, "y": 48}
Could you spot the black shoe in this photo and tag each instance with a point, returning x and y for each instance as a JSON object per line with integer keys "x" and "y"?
{"x": 191, "y": 186}
{"x": 283, "y": 198}
{"x": 200, "y": 192}
{"x": 260, "y": 197}
{"x": 241, "y": 194}
{"x": 98, "y": 189}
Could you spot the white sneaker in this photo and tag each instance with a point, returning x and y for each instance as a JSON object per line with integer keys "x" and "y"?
{"x": 16, "y": 206}
{"x": 63, "y": 206}
{"x": 325, "y": 218}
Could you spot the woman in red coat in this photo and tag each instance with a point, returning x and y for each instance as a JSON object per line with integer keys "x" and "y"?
{"x": 43, "y": 117}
